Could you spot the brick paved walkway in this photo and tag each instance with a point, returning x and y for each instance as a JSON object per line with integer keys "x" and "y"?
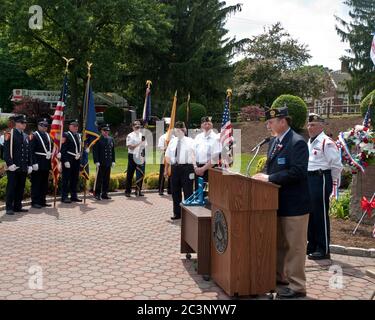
{"x": 126, "y": 249}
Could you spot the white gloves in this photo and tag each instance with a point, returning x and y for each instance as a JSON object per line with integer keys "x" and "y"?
{"x": 29, "y": 169}
{"x": 35, "y": 167}
{"x": 97, "y": 164}
{"x": 58, "y": 156}
{"x": 113, "y": 164}
{"x": 67, "y": 165}
{"x": 12, "y": 168}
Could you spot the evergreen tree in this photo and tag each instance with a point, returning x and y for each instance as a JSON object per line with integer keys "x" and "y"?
{"x": 358, "y": 33}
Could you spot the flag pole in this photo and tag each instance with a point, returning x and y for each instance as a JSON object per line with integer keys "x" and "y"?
{"x": 67, "y": 61}
{"x": 188, "y": 111}
{"x": 89, "y": 65}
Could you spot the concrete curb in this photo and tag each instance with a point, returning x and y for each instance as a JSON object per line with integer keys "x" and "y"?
{"x": 352, "y": 251}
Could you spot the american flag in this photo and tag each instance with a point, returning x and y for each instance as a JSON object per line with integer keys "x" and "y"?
{"x": 372, "y": 52}
{"x": 226, "y": 134}
{"x": 57, "y": 129}
{"x": 367, "y": 119}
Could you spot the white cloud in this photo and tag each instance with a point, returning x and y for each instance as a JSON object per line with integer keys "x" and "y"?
{"x": 312, "y": 22}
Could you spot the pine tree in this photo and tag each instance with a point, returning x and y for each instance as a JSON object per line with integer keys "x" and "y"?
{"x": 358, "y": 33}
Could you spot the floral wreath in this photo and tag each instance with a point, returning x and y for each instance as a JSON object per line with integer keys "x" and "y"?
{"x": 357, "y": 146}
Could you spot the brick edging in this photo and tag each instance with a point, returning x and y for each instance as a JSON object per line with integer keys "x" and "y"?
{"x": 352, "y": 251}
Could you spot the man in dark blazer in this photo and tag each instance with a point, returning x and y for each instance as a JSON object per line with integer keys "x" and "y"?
{"x": 287, "y": 163}
{"x": 104, "y": 159}
{"x": 41, "y": 151}
{"x": 17, "y": 157}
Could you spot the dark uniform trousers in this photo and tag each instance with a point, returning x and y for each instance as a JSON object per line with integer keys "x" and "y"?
{"x": 39, "y": 187}
{"x": 180, "y": 180}
{"x": 320, "y": 185}
{"x": 102, "y": 180}
{"x": 70, "y": 179}
{"x": 162, "y": 180}
{"x": 132, "y": 167}
{"x": 15, "y": 189}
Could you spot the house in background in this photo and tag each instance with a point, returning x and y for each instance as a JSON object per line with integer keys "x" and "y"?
{"x": 335, "y": 97}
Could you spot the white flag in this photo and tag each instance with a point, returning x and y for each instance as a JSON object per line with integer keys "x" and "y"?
{"x": 372, "y": 53}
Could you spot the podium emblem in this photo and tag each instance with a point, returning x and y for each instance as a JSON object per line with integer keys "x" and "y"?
{"x": 220, "y": 232}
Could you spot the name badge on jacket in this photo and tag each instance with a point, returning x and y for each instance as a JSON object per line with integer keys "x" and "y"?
{"x": 281, "y": 161}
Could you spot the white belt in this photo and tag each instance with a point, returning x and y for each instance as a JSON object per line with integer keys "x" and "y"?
{"x": 76, "y": 155}
{"x": 47, "y": 155}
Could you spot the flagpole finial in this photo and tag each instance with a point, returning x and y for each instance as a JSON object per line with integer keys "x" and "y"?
{"x": 229, "y": 92}
{"x": 175, "y": 94}
{"x": 149, "y": 83}
{"x": 68, "y": 61}
{"x": 89, "y": 65}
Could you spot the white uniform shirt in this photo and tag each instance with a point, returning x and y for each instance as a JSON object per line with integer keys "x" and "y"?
{"x": 324, "y": 155}
{"x": 162, "y": 144}
{"x": 207, "y": 148}
{"x": 186, "y": 151}
{"x": 134, "y": 138}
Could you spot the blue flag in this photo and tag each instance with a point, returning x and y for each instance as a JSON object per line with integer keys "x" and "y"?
{"x": 90, "y": 132}
{"x": 147, "y": 105}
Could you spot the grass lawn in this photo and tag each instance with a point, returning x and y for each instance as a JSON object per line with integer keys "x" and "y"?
{"x": 153, "y": 166}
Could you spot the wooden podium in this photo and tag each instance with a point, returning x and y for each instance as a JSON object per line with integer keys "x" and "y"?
{"x": 243, "y": 233}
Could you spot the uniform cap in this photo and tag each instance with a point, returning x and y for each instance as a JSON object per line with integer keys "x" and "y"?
{"x": 277, "y": 113}
{"x": 313, "y": 117}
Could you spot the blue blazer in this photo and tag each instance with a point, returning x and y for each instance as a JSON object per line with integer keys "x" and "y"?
{"x": 287, "y": 167}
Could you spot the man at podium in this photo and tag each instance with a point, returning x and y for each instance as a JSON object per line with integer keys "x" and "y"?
{"x": 287, "y": 163}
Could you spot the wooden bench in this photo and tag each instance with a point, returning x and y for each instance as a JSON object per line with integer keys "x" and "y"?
{"x": 196, "y": 236}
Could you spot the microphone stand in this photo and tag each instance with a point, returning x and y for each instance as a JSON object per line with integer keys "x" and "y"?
{"x": 257, "y": 148}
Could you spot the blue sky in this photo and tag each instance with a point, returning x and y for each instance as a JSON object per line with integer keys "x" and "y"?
{"x": 312, "y": 22}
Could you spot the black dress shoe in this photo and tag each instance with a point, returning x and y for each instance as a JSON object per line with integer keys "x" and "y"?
{"x": 105, "y": 197}
{"x": 21, "y": 210}
{"x": 46, "y": 205}
{"x": 127, "y": 194}
{"x": 36, "y": 206}
{"x": 175, "y": 218}
{"x": 98, "y": 198}
{"x": 288, "y": 293}
{"x": 9, "y": 212}
{"x": 66, "y": 200}
{"x": 140, "y": 194}
{"x": 318, "y": 256}
{"x": 161, "y": 193}
{"x": 75, "y": 200}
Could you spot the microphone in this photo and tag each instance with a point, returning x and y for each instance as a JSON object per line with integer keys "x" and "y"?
{"x": 264, "y": 141}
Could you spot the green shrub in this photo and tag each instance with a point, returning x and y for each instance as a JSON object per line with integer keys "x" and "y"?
{"x": 3, "y": 123}
{"x": 3, "y": 185}
{"x": 340, "y": 208}
{"x": 297, "y": 109}
{"x": 261, "y": 164}
{"x": 114, "y": 116}
{"x": 346, "y": 178}
{"x": 152, "y": 180}
{"x": 197, "y": 111}
{"x": 366, "y": 102}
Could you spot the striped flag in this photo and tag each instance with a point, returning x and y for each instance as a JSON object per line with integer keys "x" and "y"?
{"x": 147, "y": 105}
{"x": 372, "y": 52}
{"x": 226, "y": 134}
{"x": 57, "y": 130}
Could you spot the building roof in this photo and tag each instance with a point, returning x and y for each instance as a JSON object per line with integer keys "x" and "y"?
{"x": 111, "y": 99}
{"x": 338, "y": 79}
